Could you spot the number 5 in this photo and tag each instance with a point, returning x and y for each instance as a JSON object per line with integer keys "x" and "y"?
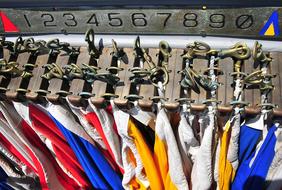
{"x": 114, "y": 21}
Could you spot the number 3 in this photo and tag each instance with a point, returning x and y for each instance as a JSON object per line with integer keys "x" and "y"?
{"x": 71, "y": 22}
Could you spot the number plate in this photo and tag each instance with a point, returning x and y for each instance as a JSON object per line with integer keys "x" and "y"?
{"x": 260, "y": 23}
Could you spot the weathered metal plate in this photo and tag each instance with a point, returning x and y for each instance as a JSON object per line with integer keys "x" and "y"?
{"x": 234, "y": 22}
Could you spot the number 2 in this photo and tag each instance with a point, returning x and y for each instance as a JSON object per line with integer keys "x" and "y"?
{"x": 50, "y": 20}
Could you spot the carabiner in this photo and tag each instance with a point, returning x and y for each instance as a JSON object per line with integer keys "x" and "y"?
{"x": 54, "y": 71}
{"x": 90, "y": 39}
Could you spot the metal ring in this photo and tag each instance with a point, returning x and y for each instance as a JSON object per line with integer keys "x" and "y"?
{"x": 54, "y": 44}
{"x": 133, "y": 97}
{"x": 156, "y": 72}
{"x": 238, "y": 73}
{"x": 210, "y": 101}
{"x": 22, "y": 90}
{"x": 117, "y": 69}
{"x": 63, "y": 93}
{"x": 184, "y": 100}
{"x": 268, "y": 105}
{"x": 86, "y": 94}
{"x": 30, "y": 65}
{"x": 42, "y": 92}
{"x": 18, "y": 44}
{"x": 3, "y": 89}
{"x": 254, "y": 78}
{"x": 220, "y": 72}
{"x": 109, "y": 96}
{"x": 158, "y": 98}
{"x": 237, "y": 102}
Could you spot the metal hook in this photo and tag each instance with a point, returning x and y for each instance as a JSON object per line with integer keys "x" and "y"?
{"x": 54, "y": 71}
{"x": 195, "y": 49}
{"x": 117, "y": 52}
{"x": 89, "y": 72}
{"x": 164, "y": 53}
{"x": 259, "y": 56}
{"x": 239, "y": 51}
{"x": 90, "y": 39}
{"x": 72, "y": 71}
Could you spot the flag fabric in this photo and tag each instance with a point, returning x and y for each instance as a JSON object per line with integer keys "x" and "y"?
{"x": 3, "y": 181}
{"x": 50, "y": 174}
{"x": 102, "y": 119}
{"x": 43, "y": 124}
{"x": 54, "y": 140}
{"x": 80, "y": 113}
{"x": 249, "y": 137}
{"x": 274, "y": 175}
{"x": 228, "y": 156}
{"x": 254, "y": 168}
{"x": 187, "y": 143}
{"x": 167, "y": 155}
{"x": 140, "y": 171}
{"x": 203, "y": 164}
{"x": 98, "y": 170}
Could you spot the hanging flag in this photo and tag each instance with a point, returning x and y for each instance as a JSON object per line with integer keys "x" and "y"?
{"x": 96, "y": 167}
{"x": 167, "y": 155}
{"x": 249, "y": 136}
{"x": 43, "y": 124}
{"x": 137, "y": 158}
{"x": 105, "y": 125}
{"x": 271, "y": 27}
{"x": 202, "y": 168}
{"x": 252, "y": 171}
{"x": 51, "y": 176}
{"x": 8, "y": 25}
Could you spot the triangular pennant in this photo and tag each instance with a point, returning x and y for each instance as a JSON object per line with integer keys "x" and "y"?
{"x": 271, "y": 27}
{"x": 8, "y": 25}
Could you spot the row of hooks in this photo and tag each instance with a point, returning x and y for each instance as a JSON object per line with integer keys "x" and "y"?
{"x": 156, "y": 74}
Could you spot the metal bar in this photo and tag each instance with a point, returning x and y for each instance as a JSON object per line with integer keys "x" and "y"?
{"x": 152, "y": 41}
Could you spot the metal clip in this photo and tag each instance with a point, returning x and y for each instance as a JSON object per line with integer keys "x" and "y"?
{"x": 54, "y": 71}
{"x": 10, "y": 69}
{"x": 71, "y": 51}
{"x": 259, "y": 56}
{"x": 89, "y": 72}
{"x": 239, "y": 51}
{"x": 156, "y": 73}
{"x": 138, "y": 51}
{"x": 109, "y": 78}
{"x": 189, "y": 79}
{"x": 72, "y": 71}
{"x": 54, "y": 46}
{"x": 33, "y": 46}
{"x": 164, "y": 54}
{"x": 196, "y": 49}
{"x": 90, "y": 39}
{"x": 117, "y": 52}
{"x": 139, "y": 73}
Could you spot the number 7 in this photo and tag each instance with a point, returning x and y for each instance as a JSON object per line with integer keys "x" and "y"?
{"x": 168, "y": 15}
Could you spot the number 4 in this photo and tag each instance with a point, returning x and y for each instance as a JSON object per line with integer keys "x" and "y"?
{"x": 93, "y": 20}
